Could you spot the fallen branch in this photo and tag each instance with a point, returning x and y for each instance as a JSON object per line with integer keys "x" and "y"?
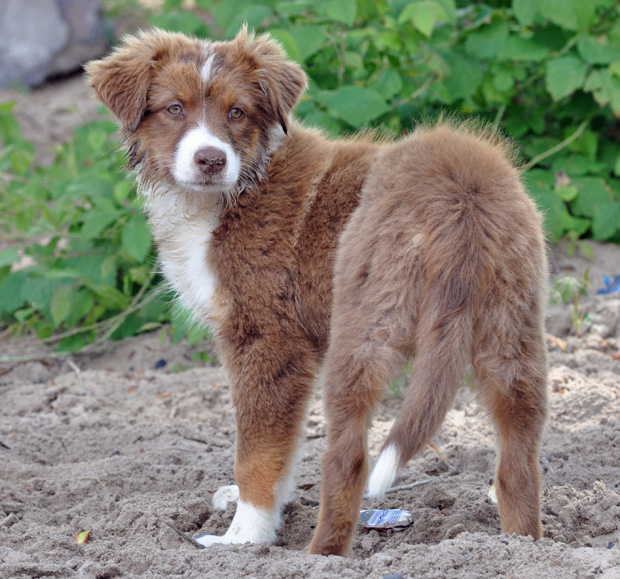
{"x": 183, "y": 535}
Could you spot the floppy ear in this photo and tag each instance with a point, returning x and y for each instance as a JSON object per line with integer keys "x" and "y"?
{"x": 282, "y": 80}
{"x": 284, "y": 89}
{"x": 122, "y": 79}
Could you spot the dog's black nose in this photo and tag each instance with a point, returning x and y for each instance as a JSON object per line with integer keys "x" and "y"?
{"x": 210, "y": 160}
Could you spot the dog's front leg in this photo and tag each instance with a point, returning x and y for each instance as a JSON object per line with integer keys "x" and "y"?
{"x": 271, "y": 385}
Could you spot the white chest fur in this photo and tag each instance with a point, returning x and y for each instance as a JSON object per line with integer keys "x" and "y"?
{"x": 183, "y": 224}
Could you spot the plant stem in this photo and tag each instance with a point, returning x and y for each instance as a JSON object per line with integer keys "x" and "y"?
{"x": 562, "y": 145}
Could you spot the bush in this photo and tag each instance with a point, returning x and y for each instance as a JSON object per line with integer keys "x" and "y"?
{"x": 546, "y": 72}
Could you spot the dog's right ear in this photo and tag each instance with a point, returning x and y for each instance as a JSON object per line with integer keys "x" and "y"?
{"x": 122, "y": 79}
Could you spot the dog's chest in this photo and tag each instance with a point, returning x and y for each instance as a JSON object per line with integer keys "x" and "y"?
{"x": 183, "y": 239}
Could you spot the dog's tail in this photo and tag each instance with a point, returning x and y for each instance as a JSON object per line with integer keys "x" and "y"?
{"x": 459, "y": 258}
{"x": 444, "y": 348}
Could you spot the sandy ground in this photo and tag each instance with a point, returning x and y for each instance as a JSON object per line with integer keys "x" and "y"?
{"x": 111, "y": 445}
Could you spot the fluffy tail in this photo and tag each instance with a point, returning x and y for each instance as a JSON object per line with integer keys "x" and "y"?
{"x": 445, "y": 346}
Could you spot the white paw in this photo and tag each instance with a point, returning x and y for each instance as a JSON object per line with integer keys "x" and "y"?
{"x": 208, "y": 540}
{"x": 225, "y": 495}
{"x": 249, "y": 525}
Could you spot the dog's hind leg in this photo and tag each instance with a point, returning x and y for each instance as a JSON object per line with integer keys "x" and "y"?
{"x": 271, "y": 381}
{"x": 373, "y": 317}
{"x": 510, "y": 366}
{"x": 354, "y": 381}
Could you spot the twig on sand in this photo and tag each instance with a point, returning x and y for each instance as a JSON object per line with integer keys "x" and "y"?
{"x": 77, "y": 371}
{"x": 92, "y": 478}
{"x": 183, "y": 535}
{"x": 419, "y": 482}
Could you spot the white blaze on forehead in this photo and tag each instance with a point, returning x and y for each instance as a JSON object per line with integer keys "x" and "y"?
{"x": 208, "y": 69}
{"x": 187, "y": 172}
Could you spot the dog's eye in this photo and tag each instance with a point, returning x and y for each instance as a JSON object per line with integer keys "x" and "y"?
{"x": 175, "y": 109}
{"x": 235, "y": 113}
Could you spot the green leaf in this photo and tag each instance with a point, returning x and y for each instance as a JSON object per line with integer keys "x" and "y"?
{"x": 21, "y": 160}
{"x": 232, "y": 14}
{"x": 294, "y": 7}
{"x": 136, "y": 238}
{"x": 9, "y": 256}
{"x": 122, "y": 190}
{"x": 97, "y": 139}
{"x": 289, "y": 44}
{"x": 357, "y": 106}
{"x": 605, "y": 221}
{"x": 487, "y": 42}
{"x": 94, "y": 223}
{"x": 605, "y": 88}
{"x": 309, "y": 39}
{"x": 11, "y": 291}
{"x": 597, "y": 51}
{"x": 449, "y": 8}
{"x": 569, "y": 14}
{"x": 424, "y": 15}
{"x": 465, "y": 76}
{"x": 75, "y": 342}
{"x": 520, "y": 49}
{"x": 388, "y": 84}
{"x": 592, "y": 194}
{"x": 60, "y": 305}
{"x": 341, "y": 11}
{"x": 526, "y": 11}
{"x": 587, "y": 143}
{"x": 322, "y": 120}
{"x": 110, "y": 297}
{"x": 130, "y": 327}
{"x": 38, "y": 293}
{"x": 353, "y": 60}
{"x": 553, "y": 210}
{"x": 567, "y": 193}
{"x": 564, "y": 76}
{"x": 81, "y": 303}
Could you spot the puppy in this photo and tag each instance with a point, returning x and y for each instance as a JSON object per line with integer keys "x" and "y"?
{"x": 354, "y": 255}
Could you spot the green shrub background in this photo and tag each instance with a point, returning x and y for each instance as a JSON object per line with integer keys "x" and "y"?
{"x": 546, "y": 72}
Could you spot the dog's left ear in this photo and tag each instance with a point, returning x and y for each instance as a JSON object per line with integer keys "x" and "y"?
{"x": 282, "y": 80}
{"x": 284, "y": 90}
{"x": 121, "y": 80}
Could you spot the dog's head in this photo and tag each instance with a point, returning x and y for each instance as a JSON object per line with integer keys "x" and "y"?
{"x": 197, "y": 115}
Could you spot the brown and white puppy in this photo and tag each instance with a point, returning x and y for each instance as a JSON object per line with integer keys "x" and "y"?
{"x": 354, "y": 255}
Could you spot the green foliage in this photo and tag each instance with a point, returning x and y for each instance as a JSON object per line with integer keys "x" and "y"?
{"x": 82, "y": 261}
{"x": 546, "y": 72}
